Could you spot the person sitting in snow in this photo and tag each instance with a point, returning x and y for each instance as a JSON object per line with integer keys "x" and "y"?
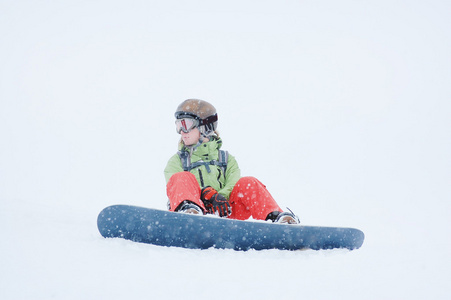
{"x": 202, "y": 179}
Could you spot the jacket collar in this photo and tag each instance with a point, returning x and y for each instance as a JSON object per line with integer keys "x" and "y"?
{"x": 205, "y": 151}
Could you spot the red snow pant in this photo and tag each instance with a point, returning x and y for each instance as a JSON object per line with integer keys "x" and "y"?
{"x": 249, "y": 197}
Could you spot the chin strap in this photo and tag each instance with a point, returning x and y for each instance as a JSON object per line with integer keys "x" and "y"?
{"x": 206, "y": 130}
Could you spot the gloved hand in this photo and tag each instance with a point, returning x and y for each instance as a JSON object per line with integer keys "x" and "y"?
{"x": 215, "y": 202}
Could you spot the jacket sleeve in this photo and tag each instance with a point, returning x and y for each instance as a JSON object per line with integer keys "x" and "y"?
{"x": 233, "y": 174}
{"x": 173, "y": 166}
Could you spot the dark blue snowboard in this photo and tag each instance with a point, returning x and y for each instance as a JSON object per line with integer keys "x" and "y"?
{"x": 165, "y": 228}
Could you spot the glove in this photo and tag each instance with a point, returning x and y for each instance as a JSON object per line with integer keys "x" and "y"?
{"x": 215, "y": 202}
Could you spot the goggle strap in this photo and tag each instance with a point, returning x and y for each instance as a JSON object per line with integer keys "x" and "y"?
{"x": 183, "y": 115}
{"x": 210, "y": 119}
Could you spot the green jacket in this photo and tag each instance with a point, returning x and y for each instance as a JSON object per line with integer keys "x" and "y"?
{"x": 206, "y": 152}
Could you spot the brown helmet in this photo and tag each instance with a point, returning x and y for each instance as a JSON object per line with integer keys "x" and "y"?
{"x": 200, "y": 110}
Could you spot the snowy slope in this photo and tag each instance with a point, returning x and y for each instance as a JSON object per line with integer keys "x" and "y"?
{"x": 348, "y": 103}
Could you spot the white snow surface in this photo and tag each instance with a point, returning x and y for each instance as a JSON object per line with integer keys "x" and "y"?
{"x": 341, "y": 108}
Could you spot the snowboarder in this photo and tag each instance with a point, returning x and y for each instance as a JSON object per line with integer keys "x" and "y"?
{"x": 203, "y": 179}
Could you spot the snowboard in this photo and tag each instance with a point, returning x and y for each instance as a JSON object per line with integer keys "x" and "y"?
{"x": 165, "y": 228}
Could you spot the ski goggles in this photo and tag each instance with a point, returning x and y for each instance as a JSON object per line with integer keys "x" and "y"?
{"x": 185, "y": 124}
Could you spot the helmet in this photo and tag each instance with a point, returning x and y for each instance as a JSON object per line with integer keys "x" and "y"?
{"x": 200, "y": 110}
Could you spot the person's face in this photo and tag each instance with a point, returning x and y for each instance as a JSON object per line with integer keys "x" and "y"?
{"x": 190, "y": 138}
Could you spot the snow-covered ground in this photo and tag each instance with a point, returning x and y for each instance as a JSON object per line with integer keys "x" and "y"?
{"x": 342, "y": 108}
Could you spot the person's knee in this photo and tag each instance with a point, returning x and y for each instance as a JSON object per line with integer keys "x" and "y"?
{"x": 181, "y": 176}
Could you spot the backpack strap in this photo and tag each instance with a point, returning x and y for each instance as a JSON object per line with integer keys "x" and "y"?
{"x": 185, "y": 159}
{"x": 223, "y": 159}
{"x": 188, "y": 166}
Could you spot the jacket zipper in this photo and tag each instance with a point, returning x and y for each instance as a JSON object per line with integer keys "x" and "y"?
{"x": 201, "y": 178}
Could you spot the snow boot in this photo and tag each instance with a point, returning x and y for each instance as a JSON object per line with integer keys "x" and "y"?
{"x": 283, "y": 217}
{"x": 287, "y": 218}
{"x": 188, "y": 207}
